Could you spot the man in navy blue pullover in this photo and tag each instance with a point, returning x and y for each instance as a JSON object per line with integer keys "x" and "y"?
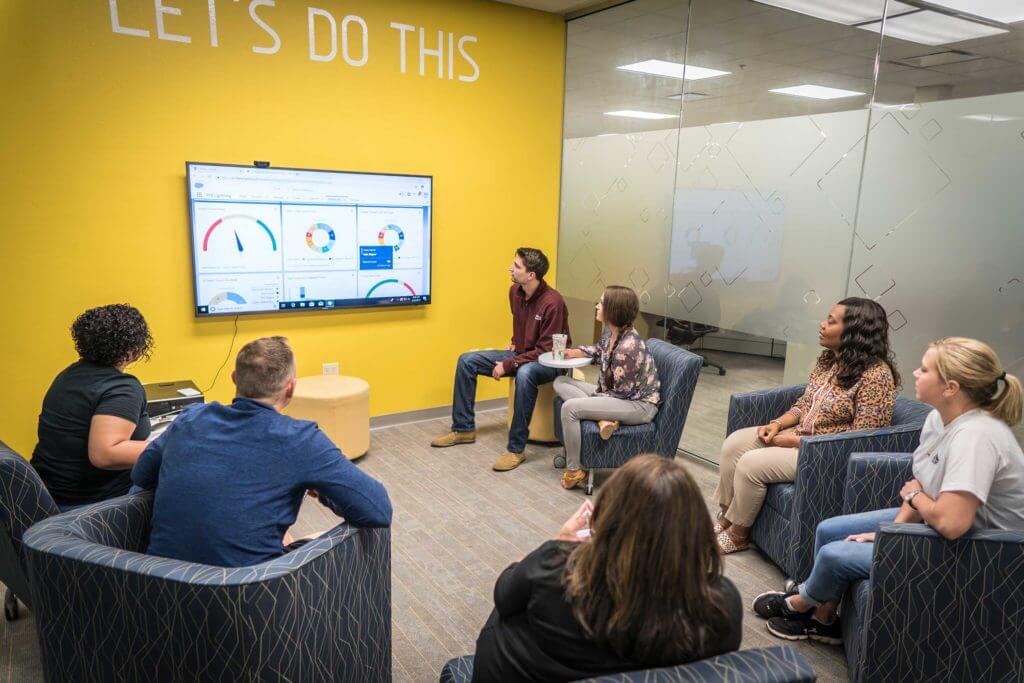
{"x": 230, "y": 479}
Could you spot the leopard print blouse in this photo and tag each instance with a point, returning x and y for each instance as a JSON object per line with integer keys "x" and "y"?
{"x": 826, "y": 408}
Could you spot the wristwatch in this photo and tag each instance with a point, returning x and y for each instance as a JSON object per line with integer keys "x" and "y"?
{"x": 909, "y": 498}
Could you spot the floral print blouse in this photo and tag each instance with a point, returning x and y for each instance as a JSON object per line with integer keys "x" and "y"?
{"x": 629, "y": 372}
{"x": 825, "y": 408}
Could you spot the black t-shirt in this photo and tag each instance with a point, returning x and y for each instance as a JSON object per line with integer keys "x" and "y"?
{"x": 532, "y": 634}
{"x": 61, "y": 457}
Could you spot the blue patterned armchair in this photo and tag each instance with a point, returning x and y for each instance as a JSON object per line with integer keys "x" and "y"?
{"x": 784, "y": 529}
{"x": 933, "y": 609}
{"x": 24, "y": 501}
{"x": 107, "y": 612}
{"x": 678, "y": 371}
{"x": 767, "y": 665}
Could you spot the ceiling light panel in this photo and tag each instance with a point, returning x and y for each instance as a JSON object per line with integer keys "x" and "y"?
{"x": 633, "y": 114}
{"x": 817, "y": 92}
{"x": 841, "y": 11}
{"x": 932, "y": 28}
{"x": 1006, "y": 11}
{"x": 659, "y": 67}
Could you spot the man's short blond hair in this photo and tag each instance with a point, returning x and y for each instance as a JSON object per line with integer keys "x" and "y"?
{"x": 264, "y": 367}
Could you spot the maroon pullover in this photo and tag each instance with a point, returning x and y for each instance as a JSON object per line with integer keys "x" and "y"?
{"x": 534, "y": 320}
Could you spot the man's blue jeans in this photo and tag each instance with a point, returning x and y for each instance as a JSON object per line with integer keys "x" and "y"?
{"x": 838, "y": 563}
{"x": 528, "y": 378}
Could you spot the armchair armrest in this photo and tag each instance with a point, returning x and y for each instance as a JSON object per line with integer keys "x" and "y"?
{"x": 760, "y": 665}
{"x": 755, "y": 408}
{"x": 820, "y": 483}
{"x": 949, "y": 610}
{"x": 873, "y": 481}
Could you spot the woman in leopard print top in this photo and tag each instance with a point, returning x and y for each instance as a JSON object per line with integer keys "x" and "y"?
{"x": 853, "y": 386}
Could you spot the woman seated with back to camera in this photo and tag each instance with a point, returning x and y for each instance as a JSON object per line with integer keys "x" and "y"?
{"x": 93, "y": 425}
{"x": 644, "y": 589}
{"x": 968, "y": 473}
{"x": 852, "y": 386}
{"x": 627, "y": 387}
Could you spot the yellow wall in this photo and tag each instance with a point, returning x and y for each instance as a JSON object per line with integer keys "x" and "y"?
{"x": 97, "y": 126}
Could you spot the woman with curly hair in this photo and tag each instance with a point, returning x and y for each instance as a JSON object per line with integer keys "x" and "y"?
{"x": 93, "y": 425}
{"x": 852, "y": 387}
{"x": 633, "y": 582}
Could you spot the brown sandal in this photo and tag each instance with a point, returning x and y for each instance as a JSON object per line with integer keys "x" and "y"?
{"x": 727, "y": 546}
{"x": 573, "y": 478}
{"x": 607, "y": 428}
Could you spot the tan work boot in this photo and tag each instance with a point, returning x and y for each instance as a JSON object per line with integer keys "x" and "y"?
{"x": 453, "y": 439}
{"x": 508, "y": 461}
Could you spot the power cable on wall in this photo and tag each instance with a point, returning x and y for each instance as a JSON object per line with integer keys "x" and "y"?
{"x": 226, "y": 358}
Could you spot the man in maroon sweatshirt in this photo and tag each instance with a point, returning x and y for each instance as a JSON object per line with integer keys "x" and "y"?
{"x": 538, "y": 311}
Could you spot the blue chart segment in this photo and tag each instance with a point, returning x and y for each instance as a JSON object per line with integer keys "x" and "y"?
{"x": 395, "y": 230}
{"x": 320, "y": 233}
{"x": 227, "y": 296}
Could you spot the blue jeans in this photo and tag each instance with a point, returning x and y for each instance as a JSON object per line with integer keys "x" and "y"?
{"x": 528, "y": 378}
{"x": 838, "y": 563}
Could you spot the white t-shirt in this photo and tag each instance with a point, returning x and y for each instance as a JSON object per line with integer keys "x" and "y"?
{"x": 978, "y": 454}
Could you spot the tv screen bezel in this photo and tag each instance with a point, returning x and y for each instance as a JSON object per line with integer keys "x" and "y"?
{"x": 356, "y": 304}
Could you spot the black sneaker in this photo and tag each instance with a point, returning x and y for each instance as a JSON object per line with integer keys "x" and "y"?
{"x": 805, "y": 629}
{"x": 773, "y": 604}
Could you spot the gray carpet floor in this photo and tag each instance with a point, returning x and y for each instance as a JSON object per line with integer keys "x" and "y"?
{"x": 457, "y": 525}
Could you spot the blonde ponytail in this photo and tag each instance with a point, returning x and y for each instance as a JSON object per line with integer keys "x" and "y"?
{"x": 976, "y": 368}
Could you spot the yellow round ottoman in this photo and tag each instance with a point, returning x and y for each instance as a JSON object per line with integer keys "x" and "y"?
{"x": 542, "y": 427}
{"x": 340, "y": 405}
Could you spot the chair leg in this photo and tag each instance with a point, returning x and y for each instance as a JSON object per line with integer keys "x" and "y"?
{"x": 590, "y": 482}
{"x": 708, "y": 364}
{"x": 11, "y": 607}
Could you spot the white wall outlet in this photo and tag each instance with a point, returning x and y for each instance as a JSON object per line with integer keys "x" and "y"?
{"x": 330, "y": 368}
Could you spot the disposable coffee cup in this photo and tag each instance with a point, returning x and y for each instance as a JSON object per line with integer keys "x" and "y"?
{"x": 558, "y": 346}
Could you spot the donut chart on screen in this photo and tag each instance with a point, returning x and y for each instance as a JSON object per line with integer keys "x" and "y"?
{"x": 238, "y": 241}
{"x": 320, "y": 228}
{"x": 391, "y": 228}
{"x": 390, "y": 282}
{"x": 227, "y": 296}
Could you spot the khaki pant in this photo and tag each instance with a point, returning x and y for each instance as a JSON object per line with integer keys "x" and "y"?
{"x": 746, "y": 468}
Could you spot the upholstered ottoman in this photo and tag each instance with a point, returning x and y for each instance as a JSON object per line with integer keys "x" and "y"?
{"x": 340, "y": 405}
{"x": 541, "y": 427}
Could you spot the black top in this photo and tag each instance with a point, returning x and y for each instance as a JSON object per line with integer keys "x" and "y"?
{"x": 61, "y": 457}
{"x": 532, "y": 634}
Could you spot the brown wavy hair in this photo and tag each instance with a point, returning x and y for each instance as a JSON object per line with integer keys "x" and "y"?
{"x": 863, "y": 343}
{"x": 646, "y": 585}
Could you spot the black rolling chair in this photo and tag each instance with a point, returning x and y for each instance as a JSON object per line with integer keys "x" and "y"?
{"x": 685, "y": 333}
{"x": 24, "y": 501}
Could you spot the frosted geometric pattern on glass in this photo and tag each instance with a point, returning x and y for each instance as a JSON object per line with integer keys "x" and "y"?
{"x": 763, "y": 220}
{"x": 939, "y": 242}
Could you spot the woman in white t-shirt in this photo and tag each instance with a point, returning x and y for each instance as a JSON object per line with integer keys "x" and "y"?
{"x": 968, "y": 473}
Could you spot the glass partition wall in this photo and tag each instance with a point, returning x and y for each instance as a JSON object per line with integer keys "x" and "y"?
{"x": 745, "y": 164}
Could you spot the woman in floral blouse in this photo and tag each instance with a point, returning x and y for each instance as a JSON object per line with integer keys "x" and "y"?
{"x": 627, "y": 388}
{"x": 853, "y": 386}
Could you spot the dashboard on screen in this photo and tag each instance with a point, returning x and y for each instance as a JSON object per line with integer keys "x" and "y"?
{"x": 283, "y": 239}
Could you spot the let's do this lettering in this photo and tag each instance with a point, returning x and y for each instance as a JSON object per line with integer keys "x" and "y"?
{"x": 330, "y": 37}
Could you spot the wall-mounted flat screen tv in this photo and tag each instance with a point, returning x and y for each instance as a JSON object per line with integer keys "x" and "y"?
{"x": 285, "y": 239}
